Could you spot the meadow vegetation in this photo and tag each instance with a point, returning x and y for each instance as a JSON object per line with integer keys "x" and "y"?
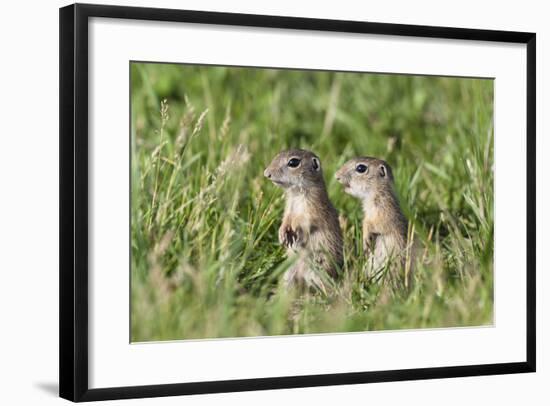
{"x": 205, "y": 258}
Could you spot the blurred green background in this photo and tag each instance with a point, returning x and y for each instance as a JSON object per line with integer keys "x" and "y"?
{"x": 205, "y": 260}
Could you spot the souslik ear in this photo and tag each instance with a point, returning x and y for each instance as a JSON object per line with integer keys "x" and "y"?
{"x": 316, "y": 164}
{"x": 382, "y": 171}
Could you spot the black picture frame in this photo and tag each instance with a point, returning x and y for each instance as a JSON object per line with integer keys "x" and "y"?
{"x": 73, "y": 254}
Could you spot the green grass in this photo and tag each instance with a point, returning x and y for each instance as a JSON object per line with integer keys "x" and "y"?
{"x": 205, "y": 260}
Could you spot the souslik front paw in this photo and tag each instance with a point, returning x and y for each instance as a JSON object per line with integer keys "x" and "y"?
{"x": 288, "y": 237}
{"x": 285, "y": 235}
{"x": 369, "y": 242}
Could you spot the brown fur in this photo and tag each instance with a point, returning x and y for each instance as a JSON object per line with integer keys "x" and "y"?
{"x": 384, "y": 224}
{"x": 310, "y": 229}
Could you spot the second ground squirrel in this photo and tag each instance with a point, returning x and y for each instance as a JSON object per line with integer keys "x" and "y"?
{"x": 384, "y": 224}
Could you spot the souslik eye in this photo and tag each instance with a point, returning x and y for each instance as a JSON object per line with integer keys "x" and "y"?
{"x": 361, "y": 168}
{"x": 293, "y": 163}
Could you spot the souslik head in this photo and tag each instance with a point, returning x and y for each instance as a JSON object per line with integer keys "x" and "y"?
{"x": 295, "y": 169}
{"x": 363, "y": 175}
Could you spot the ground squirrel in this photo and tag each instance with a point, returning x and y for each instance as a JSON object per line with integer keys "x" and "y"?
{"x": 384, "y": 224}
{"x": 310, "y": 227}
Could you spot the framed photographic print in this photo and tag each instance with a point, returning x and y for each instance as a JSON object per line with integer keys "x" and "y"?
{"x": 257, "y": 202}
